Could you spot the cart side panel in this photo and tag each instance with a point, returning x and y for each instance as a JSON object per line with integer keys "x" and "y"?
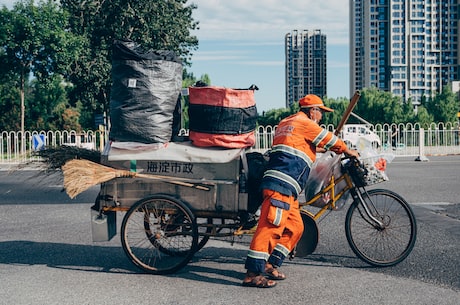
{"x": 191, "y": 170}
{"x": 221, "y": 197}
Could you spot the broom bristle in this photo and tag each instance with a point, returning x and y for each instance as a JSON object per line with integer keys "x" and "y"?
{"x": 80, "y": 175}
{"x": 56, "y": 157}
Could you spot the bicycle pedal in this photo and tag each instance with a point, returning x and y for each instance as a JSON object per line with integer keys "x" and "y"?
{"x": 241, "y": 231}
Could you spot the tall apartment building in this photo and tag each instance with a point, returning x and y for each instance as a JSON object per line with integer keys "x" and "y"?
{"x": 407, "y": 47}
{"x": 305, "y": 64}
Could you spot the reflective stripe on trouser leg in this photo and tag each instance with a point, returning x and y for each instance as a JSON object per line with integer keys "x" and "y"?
{"x": 255, "y": 261}
{"x": 268, "y": 237}
{"x": 278, "y": 255}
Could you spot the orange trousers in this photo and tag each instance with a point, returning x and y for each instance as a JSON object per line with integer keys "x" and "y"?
{"x": 273, "y": 242}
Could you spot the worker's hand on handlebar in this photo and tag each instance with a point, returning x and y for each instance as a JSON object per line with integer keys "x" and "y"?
{"x": 351, "y": 153}
{"x": 320, "y": 150}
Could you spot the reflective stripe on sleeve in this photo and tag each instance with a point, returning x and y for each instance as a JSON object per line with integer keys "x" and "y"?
{"x": 320, "y": 137}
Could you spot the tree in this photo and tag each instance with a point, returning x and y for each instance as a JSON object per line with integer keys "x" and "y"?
{"x": 274, "y": 116}
{"x": 443, "y": 106}
{"x": 9, "y": 107}
{"x": 423, "y": 117}
{"x": 156, "y": 25}
{"x": 339, "y": 105}
{"x": 49, "y": 106}
{"x": 380, "y": 107}
{"x": 35, "y": 39}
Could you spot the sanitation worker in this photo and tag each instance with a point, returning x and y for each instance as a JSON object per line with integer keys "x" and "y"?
{"x": 297, "y": 140}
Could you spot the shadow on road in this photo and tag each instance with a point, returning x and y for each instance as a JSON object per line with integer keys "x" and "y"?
{"x": 66, "y": 256}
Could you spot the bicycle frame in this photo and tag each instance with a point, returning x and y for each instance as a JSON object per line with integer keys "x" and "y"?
{"x": 333, "y": 196}
{"x": 331, "y": 205}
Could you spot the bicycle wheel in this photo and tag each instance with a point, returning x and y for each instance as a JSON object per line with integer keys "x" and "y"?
{"x": 385, "y": 245}
{"x": 159, "y": 234}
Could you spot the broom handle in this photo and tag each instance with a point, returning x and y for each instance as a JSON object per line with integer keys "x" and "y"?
{"x": 171, "y": 180}
{"x": 348, "y": 111}
{"x": 180, "y": 179}
{"x": 195, "y": 183}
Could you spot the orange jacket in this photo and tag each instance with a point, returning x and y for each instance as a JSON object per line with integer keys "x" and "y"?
{"x": 294, "y": 151}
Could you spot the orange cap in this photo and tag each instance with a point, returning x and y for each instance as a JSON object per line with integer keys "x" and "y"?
{"x": 311, "y": 100}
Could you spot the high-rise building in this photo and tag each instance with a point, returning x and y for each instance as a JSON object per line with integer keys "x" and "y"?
{"x": 305, "y": 64}
{"x": 407, "y": 47}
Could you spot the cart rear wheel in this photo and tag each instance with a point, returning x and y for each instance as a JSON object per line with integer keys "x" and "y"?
{"x": 159, "y": 234}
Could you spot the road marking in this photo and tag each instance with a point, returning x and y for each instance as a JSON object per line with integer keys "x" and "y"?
{"x": 432, "y": 203}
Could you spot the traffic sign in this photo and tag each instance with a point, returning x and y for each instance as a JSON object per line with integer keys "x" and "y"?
{"x": 38, "y": 141}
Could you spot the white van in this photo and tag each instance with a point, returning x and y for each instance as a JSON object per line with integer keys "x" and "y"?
{"x": 352, "y": 132}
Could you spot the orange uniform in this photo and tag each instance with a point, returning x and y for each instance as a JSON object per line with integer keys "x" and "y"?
{"x": 293, "y": 153}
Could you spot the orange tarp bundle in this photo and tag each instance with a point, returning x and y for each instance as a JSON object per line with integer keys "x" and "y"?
{"x": 222, "y": 117}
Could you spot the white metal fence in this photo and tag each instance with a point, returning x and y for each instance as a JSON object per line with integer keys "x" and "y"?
{"x": 18, "y": 147}
{"x": 411, "y": 140}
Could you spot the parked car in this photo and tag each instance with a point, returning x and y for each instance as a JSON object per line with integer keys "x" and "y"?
{"x": 351, "y": 133}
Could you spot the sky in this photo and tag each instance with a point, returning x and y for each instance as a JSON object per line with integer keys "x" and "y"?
{"x": 241, "y": 42}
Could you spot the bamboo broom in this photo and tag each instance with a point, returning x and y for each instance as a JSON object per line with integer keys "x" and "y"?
{"x": 81, "y": 174}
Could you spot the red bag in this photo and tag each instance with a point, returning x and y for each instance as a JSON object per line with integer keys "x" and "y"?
{"x": 222, "y": 117}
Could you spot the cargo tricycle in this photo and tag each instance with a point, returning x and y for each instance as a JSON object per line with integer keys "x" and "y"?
{"x": 188, "y": 194}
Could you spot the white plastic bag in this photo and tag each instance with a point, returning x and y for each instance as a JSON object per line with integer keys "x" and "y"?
{"x": 320, "y": 176}
{"x": 374, "y": 162}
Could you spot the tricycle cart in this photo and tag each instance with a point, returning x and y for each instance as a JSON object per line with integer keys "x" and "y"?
{"x": 188, "y": 194}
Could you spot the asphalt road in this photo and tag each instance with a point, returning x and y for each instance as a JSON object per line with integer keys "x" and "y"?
{"x": 47, "y": 255}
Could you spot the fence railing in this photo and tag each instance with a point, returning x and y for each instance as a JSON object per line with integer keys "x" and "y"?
{"x": 18, "y": 147}
{"x": 411, "y": 140}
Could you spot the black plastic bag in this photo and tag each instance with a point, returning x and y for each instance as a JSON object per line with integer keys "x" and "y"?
{"x": 146, "y": 86}
{"x": 257, "y": 164}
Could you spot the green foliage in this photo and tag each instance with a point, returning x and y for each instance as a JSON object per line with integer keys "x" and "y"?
{"x": 74, "y": 39}
{"x": 274, "y": 116}
{"x": 379, "y": 107}
{"x": 444, "y": 106}
{"x": 35, "y": 38}
{"x": 49, "y": 106}
{"x": 339, "y": 106}
{"x": 10, "y": 118}
{"x": 423, "y": 117}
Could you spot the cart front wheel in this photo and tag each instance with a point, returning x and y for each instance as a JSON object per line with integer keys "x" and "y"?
{"x": 381, "y": 245}
{"x": 159, "y": 234}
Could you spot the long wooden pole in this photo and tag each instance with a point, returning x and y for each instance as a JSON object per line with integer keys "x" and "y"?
{"x": 346, "y": 114}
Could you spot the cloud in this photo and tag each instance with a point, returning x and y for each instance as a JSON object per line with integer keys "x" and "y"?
{"x": 270, "y": 20}
{"x": 8, "y": 3}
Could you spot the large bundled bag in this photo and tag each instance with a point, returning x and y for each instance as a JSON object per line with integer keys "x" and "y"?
{"x": 145, "y": 91}
{"x": 222, "y": 117}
